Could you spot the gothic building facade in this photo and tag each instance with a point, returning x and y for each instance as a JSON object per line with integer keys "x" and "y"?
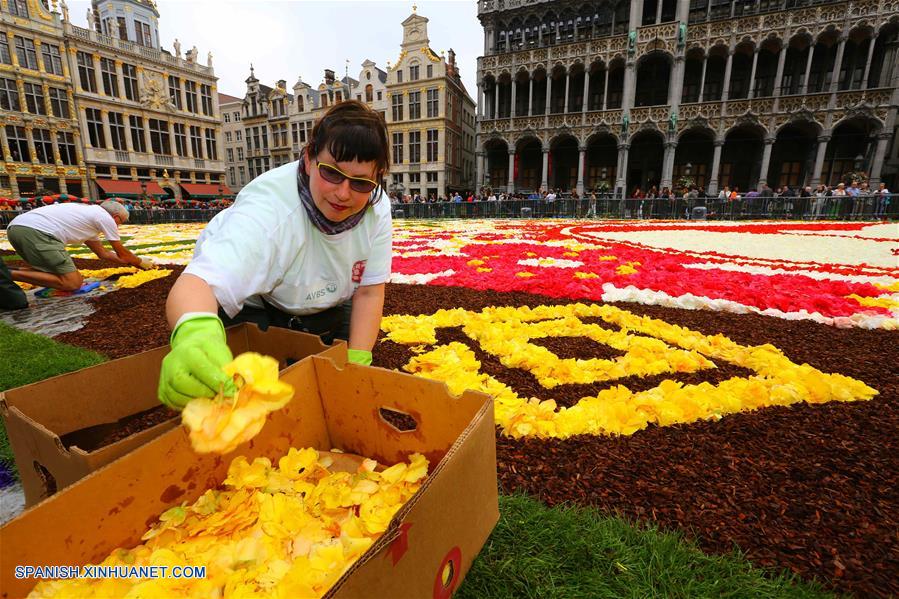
{"x": 641, "y": 93}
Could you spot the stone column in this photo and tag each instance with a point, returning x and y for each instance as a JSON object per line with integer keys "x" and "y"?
{"x": 766, "y": 161}
{"x": 531, "y": 95}
{"x": 512, "y": 112}
{"x": 107, "y": 130}
{"x": 868, "y": 62}
{"x": 544, "y": 180}
{"x": 668, "y": 164}
{"x": 837, "y": 63}
{"x": 120, "y": 79}
{"x": 37, "y": 51}
{"x": 586, "y": 91}
{"x": 621, "y": 169}
{"x": 705, "y": 62}
{"x": 129, "y": 144}
{"x": 48, "y": 106}
{"x": 549, "y": 86}
{"x": 23, "y": 102}
{"x": 29, "y": 134}
{"x": 676, "y": 85}
{"x": 98, "y": 78}
{"x": 480, "y": 100}
{"x": 4, "y": 141}
{"x": 808, "y": 69}
{"x": 511, "y": 186}
{"x": 778, "y": 77}
{"x": 479, "y": 166}
{"x": 582, "y": 151}
{"x": 567, "y": 85}
{"x": 755, "y": 61}
{"x": 819, "y": 160}
{"x": 148, "y": 140}
{"x": 658, "y": 12}
{"x": 11, "y": 41}
{"x": 495, "y": 110}
{"x": 712, "y": 188}
{"x": 883, "y": 140}
{"x": 605, "y": 88}
{"x": 82, "y": 119}
{"x": 725, "y": 92}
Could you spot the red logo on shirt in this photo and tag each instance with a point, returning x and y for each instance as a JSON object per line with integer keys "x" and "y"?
{"x": 358, "y": 269}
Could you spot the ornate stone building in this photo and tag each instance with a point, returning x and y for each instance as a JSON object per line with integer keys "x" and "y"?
{"x": 429, "y": 115}
{"x": 41, "y": 146}
{"x": 235, "y": 149}
{"x": 135, "y": 118}
{"x": 430, "y": 119}
{"x": 655, "y": 92}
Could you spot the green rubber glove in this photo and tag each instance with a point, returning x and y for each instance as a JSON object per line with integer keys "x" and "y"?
{"x": 193, "y": 368}
{"x": 359, "y": 356}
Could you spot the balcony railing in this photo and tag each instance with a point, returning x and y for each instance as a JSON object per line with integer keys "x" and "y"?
{"x": 146, "y": 52}
{"x": 164, "y": 160}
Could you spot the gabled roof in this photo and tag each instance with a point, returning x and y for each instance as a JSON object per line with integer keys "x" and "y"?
{"x": 226, "y": 99}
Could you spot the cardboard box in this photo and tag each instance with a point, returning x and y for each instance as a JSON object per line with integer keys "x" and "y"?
{"x": 425, "y": 552}
{"x": 36, "y": 416}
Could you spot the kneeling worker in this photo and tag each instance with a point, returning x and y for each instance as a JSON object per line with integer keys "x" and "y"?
{"x": 40, "y": 238}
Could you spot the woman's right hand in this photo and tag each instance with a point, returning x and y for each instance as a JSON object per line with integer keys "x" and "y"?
{"x": 193, "y": 367}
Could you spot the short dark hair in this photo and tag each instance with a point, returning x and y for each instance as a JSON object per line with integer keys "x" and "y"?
{"x": 352, "y": 131}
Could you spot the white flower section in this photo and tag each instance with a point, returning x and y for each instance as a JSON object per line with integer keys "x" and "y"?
{"x": 798, "y": 248}
{"x": 421, "y": 278}
{"x": 689, "y": 301}
{"x": 551, "y": 262}
{"x": 812, "y": 274}
{"x": 881, "y": 230}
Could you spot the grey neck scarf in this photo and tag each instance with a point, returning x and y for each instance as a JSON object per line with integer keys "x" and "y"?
{"x": 328, "y": 227}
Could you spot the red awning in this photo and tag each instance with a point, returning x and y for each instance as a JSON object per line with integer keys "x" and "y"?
{"x": 207, "y": 190}
{"x": 129, "y": 188}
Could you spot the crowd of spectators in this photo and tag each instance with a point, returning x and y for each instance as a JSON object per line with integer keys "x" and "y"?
{"x": 841, "y": 201}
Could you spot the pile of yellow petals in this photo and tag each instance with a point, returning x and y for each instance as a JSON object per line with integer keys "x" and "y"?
{"x": 105, "y": 273}
{"x": 220, "y": 424}
{"x": 657, "y": 347}
{"x": 285, "y": 531}
{"x": 141, "y": 277}
{"x": 628, "y": 268}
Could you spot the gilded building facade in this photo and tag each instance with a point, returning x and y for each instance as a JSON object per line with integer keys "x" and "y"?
{"x": 429, "y": 116}
{"x": 142, "y": 120}
{"x": 41, "y": 144}
{"x": 646, "y": 93}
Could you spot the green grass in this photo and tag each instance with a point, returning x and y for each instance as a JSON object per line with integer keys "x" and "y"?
{"x": 574, "y": 553}
{"x": 29, "y": 358}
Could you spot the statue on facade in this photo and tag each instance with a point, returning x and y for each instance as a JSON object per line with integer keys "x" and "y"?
{"x": 672, "y": 122}
{"x": 681, "y": 35}
{"x": 192, "y": 54}
{"x": 65, "y": 11}
{"x": 209, "y": 60}
{"x": 632, "y": 42}
{"x": 177, "y": 45}
{"x": 625, "y": 123}
{"x": 90, "y": 19}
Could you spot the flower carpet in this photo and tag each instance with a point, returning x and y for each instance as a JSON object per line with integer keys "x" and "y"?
{"x": 735, "y": 381}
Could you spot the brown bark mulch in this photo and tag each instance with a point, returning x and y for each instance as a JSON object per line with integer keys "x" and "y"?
{"x": 809, "y": 488}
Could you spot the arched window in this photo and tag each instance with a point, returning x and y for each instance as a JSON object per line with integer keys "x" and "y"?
{"x": 369, "y": 93}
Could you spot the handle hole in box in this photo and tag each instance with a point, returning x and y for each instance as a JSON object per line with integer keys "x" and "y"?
{"x": 401, "y": 421}
{"x": 48, "y": 481}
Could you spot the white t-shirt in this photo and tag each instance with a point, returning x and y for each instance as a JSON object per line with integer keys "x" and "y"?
{"x": 70, "y": 223}
{"x": 265, "y": 245}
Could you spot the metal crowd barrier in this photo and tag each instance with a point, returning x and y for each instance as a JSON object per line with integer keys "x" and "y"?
{"x": 871, "y": 207}
{"x": 144, "y": 217}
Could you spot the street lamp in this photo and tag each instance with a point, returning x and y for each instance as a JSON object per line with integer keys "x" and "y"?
{"x": 688, "y": 168}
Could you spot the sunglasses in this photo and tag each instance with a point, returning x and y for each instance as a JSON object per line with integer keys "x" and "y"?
{"x": 335, "y": 176}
